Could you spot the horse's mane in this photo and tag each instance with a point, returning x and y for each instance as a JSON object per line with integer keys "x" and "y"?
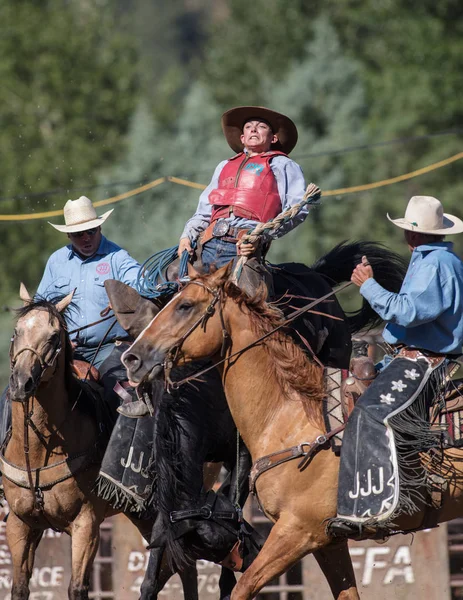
{"x": 182, "y": 422}
{"x": 295, "y": 372}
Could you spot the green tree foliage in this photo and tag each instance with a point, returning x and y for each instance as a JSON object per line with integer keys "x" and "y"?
{"x": 170, "y": 38}
{"x": 252, "y": 42}
{"x": 69, "y": 82}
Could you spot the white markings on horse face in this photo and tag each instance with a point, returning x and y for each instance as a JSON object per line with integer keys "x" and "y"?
{"x": 30, "y": 322}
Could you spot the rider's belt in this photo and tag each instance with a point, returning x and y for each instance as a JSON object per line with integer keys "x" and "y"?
{"x": 414, "y": 353}
{"x": 221, "y": 230}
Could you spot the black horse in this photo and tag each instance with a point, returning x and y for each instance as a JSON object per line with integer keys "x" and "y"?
{"x": 194, "y": 426}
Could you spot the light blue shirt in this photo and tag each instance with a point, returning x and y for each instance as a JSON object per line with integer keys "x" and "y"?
{"x": 66, "y": 270}
{"x": 427, "y": 313}
{"x": 291, "y": 187}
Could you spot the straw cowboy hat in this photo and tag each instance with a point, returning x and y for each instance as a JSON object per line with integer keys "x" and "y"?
{"x": 234, "y": 119}
{"x": 425, "y": 214}
{"x": 80, "y": 215}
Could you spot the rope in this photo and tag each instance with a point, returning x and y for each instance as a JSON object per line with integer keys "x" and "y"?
{"x": 200, "y": 186}
{"x": 152, "y": 281}
{"x": 312, "y": 196}
{"x": 112, "y": 200}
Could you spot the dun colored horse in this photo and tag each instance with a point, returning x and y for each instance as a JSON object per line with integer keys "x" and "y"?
{"x": 52, "y": 459}
{"x": 275, "y": 396}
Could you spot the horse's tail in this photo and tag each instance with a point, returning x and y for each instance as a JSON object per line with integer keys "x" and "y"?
{"x": 389, "y": 269}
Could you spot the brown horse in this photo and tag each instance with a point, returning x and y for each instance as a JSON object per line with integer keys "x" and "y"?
{"x": 275, "y": 395}
{"x": 53, "y": 456}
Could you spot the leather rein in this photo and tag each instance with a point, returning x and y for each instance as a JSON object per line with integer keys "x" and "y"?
{"x": 173, "y": 352}
{"x": 305, "y": 450}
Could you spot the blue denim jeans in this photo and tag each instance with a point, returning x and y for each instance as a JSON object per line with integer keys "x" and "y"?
{"x": 218, "y": 252}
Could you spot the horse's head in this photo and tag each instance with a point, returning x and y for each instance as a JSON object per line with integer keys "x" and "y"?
{"x": 188, "y": 328}
{"x": 38, "y": 339}
{"x": 214, "y": 531}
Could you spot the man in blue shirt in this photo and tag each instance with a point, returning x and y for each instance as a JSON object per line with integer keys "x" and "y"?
{"x": 381, "y": 475}
{"x": 252, "y": 187}
{"x": 84, "y": 265}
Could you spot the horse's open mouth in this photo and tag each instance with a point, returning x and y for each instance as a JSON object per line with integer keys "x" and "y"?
{"x": 154, "y": 373}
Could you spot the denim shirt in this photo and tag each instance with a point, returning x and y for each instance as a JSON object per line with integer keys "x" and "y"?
{"x": 427, "y": 313}
{"x": 291, "y": 187}
{"x": 66, "y": 270}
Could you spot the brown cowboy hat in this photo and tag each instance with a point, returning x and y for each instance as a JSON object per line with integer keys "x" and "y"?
{"x": 234, "y": 119}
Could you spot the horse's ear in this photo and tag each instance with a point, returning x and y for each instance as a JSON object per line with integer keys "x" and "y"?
{"x": 132, "y": 311}
{"x": 24, "y": 294}
{"x": 65, "y": 302}
{"x": 192, "y": 272}
{"x": 222, "y": 275}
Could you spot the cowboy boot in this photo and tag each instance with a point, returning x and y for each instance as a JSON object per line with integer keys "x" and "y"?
{"x": 131, "y": 407}
{"x": 134, "y": 409}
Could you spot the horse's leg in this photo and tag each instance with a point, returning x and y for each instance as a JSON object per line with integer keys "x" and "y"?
{"x": 23, "y": 542}
{"x": 159, "y": 572}
{"x": 227, "y": 582}
{"x": 289, "y": 541}
{"x": 85, "y": 537}
{"x": 189, "y": 577}
{"x": 336, "y": 564}
{"x": 156, "y": 576}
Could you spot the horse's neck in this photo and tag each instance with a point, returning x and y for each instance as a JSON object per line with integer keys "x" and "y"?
{"x": 266, "y": 417}
{"x": 48, "y": 410}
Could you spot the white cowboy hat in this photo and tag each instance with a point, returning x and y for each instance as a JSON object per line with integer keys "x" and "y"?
{"x": 80, "y": 215}
{"x": 425, "y": 214}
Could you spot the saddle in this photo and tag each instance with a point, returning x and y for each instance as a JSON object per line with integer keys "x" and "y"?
{"x": 83, "y": 370}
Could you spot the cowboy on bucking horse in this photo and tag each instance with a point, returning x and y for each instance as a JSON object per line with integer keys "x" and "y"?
{"x": 252, "y": 187}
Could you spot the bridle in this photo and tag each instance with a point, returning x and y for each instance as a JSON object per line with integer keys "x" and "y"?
{"x": 173, "y": 353}
{"x": 36, "y": 491}
{"x": 44, "y": 365}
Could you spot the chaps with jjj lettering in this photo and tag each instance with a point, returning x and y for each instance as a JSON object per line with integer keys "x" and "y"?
{"x": 381, "y": 475}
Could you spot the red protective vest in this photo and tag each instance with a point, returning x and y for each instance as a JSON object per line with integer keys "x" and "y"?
{"x": 248, "y": 188}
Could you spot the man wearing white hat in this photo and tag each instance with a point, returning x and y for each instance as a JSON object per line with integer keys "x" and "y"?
{"x": 84, "y": 265}
{"x": 381, "y": 475}
{"x": 252, "y": 187}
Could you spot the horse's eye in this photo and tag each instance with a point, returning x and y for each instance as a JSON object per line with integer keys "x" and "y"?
{"x": 185, "y": 306}
{"x": 54, "y": 338}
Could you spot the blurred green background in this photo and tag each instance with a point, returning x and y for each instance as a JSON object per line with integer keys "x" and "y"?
{"x": 100, "y": 96}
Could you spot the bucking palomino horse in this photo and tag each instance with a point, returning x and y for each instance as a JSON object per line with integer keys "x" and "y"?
{"x": 275, "y": 396}
{"x": 52, "y": 458}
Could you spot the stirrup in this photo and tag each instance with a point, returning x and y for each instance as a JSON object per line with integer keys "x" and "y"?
{"x": 343, "y": 528}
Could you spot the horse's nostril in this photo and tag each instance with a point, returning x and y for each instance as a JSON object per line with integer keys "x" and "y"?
{"x": 132, "y": 361}
{"x": 29, "y": 385}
